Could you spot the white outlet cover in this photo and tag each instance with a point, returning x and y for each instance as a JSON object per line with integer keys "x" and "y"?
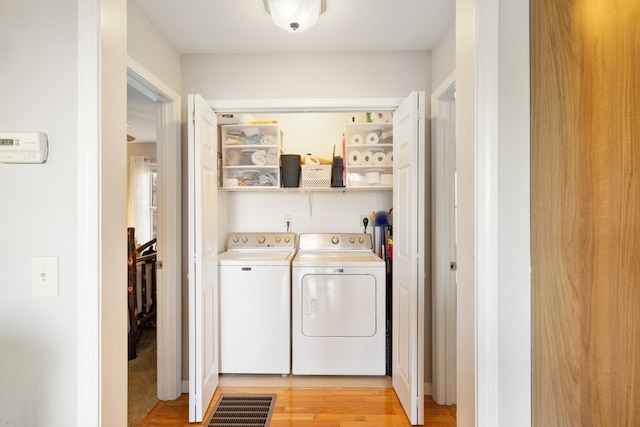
{"x": 44, "y": 277}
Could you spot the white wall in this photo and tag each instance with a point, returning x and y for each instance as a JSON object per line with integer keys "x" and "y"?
{"x": 150, "y": 49}
{"x": 443, "y": 56}
{"x": 145, "y": 149}
{"x": 38, "y": 336}
{"x": 314, "y": 133}
{"x": 353, "y": 75}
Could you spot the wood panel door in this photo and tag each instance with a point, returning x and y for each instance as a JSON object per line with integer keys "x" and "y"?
{"x": 585, "y": 58}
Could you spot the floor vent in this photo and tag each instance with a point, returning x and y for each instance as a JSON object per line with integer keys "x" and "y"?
{"x": 246, "y": 410}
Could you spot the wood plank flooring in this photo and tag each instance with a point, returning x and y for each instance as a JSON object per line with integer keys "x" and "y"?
{"x": 316, "y": 407}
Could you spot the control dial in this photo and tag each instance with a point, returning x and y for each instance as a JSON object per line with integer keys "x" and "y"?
{"x": 261, "y": 239}
{"x": 335, "y": 240}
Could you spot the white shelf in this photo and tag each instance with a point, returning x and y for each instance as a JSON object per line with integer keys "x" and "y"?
{"x": 251, "y": 156}
{"x": 369, "y": 155}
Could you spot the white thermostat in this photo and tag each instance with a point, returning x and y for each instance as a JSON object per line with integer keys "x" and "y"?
{"x": 23, "y": 147}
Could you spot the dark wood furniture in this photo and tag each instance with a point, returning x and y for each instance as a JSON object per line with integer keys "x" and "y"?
{"x": 140, "y": 259}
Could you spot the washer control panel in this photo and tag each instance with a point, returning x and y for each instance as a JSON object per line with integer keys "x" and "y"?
{"x": 336, "y": 241}
{"x": 261, "y": 241}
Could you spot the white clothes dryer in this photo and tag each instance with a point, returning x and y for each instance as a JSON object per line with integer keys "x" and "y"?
{"x": 255, "y": 298}
{"x": 338, "y": 306}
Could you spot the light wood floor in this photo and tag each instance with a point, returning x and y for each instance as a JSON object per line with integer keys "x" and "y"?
{"x": 313, "y": 404}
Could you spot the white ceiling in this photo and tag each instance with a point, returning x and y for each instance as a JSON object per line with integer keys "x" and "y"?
{"x": 244, "y": 26}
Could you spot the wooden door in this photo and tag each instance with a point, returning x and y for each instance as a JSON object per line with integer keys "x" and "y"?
{"x": 585, "y": 71}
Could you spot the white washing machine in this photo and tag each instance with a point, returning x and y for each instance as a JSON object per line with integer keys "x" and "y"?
{"x": 338, "y": 306}
{"x": 255, "y": 303}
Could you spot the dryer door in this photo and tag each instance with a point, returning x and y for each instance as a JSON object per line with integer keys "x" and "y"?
{"x": 338, "y": 305}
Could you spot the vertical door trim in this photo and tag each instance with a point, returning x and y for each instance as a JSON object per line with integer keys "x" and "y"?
{"x": 487, "y": 231}
{"x": 443, "y": 235}
{"x": 88, "y": 398}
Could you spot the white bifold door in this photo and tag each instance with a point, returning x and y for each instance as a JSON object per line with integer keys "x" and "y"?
{"x": 203, "y": 253}
{"x": 409, "y": 152}
{"x": 408, "y": 257}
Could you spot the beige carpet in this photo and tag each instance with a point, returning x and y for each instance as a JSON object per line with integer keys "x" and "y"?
{"x": 143, "y": 379}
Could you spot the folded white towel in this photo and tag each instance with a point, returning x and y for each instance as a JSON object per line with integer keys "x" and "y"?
{"x": 267, "y": 140}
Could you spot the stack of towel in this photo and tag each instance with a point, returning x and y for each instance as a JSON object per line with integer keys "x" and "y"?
{"x": 236, "y": 157}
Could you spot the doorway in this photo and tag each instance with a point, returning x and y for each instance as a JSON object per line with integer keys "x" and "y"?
{"x": 142, "y": 133}
{"x": 412, "y": 136}
{"x": 168, "y": 272}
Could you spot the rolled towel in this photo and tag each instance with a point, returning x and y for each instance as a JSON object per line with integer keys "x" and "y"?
{"x": 259, "y": 158}
{"x": 267, "y": 140}
{"x": 232, "y": 157}
{"x": 272, "y": 159}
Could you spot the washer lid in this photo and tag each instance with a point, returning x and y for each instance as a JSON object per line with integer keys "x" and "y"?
{"x": 269, "y": 257}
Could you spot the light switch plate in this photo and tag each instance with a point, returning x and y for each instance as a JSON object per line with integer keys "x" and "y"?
{"x": 44, "y": 277}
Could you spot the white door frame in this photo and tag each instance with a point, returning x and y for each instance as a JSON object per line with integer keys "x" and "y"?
{"x": 169, "y": 291}
{"x": 89, "y": 399}
{"x": 443, "y": 165}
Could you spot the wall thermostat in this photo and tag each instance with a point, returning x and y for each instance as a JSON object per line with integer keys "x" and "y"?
{"x": 23, "y": 147}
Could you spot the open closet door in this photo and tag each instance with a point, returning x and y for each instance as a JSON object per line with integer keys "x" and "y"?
{"x": 408, "y": 255}
{"x": 203, "y": 254}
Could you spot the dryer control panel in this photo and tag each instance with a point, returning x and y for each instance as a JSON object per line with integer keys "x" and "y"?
{"x": 336, "y": 241}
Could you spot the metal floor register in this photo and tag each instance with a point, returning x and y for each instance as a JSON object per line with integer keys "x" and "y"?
{"x": 247, "y": 410}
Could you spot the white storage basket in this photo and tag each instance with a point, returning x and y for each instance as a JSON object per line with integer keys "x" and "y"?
{"x": 316, "y": 176}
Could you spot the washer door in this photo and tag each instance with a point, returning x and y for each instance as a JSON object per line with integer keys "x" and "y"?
{"x": 339, "y": 305}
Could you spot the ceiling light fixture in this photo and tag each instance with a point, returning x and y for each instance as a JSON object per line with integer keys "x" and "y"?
{"x": 295, "y": 16}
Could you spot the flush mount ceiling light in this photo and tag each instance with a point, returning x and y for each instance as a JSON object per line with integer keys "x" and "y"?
{"x": 295, "y": 16}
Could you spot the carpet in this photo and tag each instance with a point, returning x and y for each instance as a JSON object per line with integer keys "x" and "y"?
{"x": 248, "y": 410}
{"x": 143, "y": 378}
